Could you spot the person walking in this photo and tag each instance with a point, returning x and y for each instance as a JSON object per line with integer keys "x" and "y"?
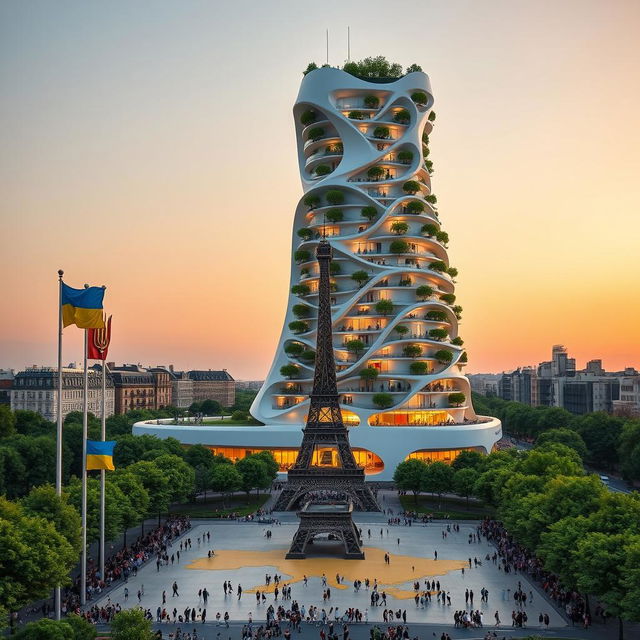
{"x": 496, "y": 615}
{"x": 174, "y": 588}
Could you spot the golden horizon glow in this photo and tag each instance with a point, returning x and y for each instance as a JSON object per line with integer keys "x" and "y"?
{"x": 158, "y": 160}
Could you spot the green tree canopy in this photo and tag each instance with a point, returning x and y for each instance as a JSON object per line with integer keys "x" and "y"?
{"x": 226, "y": 479}
{"x": 180, "y": 476}
{"x": 43, "y": 502}
{"x": 567, "y": 437}
{"x": 437, "y": 478}
{"x": 34, "y": 557}
{"x": 131, "y": 624}
{"x": 408, "y": 476}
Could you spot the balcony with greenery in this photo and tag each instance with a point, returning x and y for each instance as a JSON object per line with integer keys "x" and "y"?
{"x": 438, "y": 334}
{"x": 402, "y": 117}
{"x": 315, "y": 133}
{"x": 382, "y": 133}
{"x": 411, "y": 187}
{"x": 399, "y": 228}
{"x": 298, "y": 326}
{"x": 312, "y": 201}
{"x": 360, "y": 277}
{"x": 382, "y": 400}
{"x": 322, "y": 170}
{"x": 334, "y": 197}
{"x": 405, "y": 156}
{"x": 301, "y": 289}
{"x": 420, "y": 98}
{"x": 456, "y": 399}
{"x": 289, "y": 371}
{"x": 305, "y": 234}
{"x": 302, "y": 255}
{"x": 335, "y": 215}
{"x": 369, "y": 212}
{"x": 385, "y": 307}
{"x": 424, "y": 291}
{"x": 375, "y": 173}
{"x": 412, "y": 351}
{"x": 436, "y": 316}
{"x": 372, "y": 102}
{"x": 356, "y": 115}
{"x": 301, "y": 310}
{"x": 448, "y": 298}
{"x": 399, "y": 246}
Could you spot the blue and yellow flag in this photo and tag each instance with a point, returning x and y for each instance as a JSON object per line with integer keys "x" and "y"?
{"x": 100, "y": 455}
{"x": 82, "y": 307}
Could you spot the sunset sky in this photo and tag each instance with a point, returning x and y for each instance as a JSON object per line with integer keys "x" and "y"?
{"x": 149, "y": 146}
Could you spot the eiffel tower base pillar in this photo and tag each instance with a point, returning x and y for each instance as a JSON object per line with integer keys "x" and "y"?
{"x": 333, "y": 519}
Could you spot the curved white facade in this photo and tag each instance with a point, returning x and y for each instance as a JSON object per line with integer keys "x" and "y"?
{"x": 363, "y": 157}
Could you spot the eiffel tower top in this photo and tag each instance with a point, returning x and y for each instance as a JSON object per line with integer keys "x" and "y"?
{"x": 325, "y": 388}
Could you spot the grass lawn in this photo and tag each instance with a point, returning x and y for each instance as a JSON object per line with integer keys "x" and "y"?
{"x": 451, "y": 507}
{"x": 212, "y": 507}
{"x": 228, "y": 422}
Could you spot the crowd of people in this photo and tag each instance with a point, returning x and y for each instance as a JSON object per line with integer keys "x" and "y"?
{"x": 511, "y": 557}
{"x": 126, "y": 562}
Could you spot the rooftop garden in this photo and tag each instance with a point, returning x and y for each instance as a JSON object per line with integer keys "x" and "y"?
{"x": 376, "y": 68}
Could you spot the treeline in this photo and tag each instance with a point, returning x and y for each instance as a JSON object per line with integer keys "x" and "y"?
{"x": 40, "y": 536}
{"x": 610, "y": 442}
{"x": 586, "y": 535}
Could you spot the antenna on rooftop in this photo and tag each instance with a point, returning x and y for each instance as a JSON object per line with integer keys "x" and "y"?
{"x": 327, "y": 47}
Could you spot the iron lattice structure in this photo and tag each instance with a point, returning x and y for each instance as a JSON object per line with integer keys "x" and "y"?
{"x": 325, "y": 429}
{"x": 317, "y": 519}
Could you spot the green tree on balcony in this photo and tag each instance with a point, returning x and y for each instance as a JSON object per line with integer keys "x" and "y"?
{"x": 369, "y": 212}
{"x": 399, "y": 228}
{"x": 289, "y": 371}
{"x": 385, "y": 307}
{"x": 360, "y": 277}
{"x": 369, "y": 376}
{"x": 355, "y": 347}
{"x": 382, "y": 400}
{"x": 456, "y": 399}
{"x": 412, "y": 351}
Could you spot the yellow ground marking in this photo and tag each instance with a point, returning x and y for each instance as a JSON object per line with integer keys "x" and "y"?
{"x": 401, "y": 569}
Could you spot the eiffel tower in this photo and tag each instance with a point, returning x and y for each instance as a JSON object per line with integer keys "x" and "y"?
{"x": 325, "y": 434}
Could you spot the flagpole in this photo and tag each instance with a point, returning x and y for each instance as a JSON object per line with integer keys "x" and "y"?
{"x": 102, "y": 472}
{"x": 57, "y": 592}
{"x": 85, "y": 410}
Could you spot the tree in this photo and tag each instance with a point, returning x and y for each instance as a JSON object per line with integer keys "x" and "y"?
{"x": 335, "y": 215}
{"x": 415, "y": 206}
{"x": 369, "y": 212}
{"x": 312, "y": 66}
{"x": 424, "y": 291}
{"x": 130, "y": 448}
{"x": 419, "y": 97}
{"x": 298, "y": 326}
{"x": 443, "y": 356}
{"x": 198, "y": 454}
{"x": 355, "y": 346}
{"x": 375, "y": 172}
{"x": 136, "y": 505}
{"x": 437, "y": 478}
{"x": 600, "y": 432}
{"x": 254, "y": 474}
{"x": 432, "y": 116}
{"x": 116, "y": 502}
{"x": 438, "y": 316}
{"x": 438, "y": 334}
{"x": 411, "y": 186}
{"x": 402, "y": 117}
{"x": 315, "y": 133}
{"x": 7, "y": 421}
{"x": 468, "y": 460}
{"x": 311, "y": 200}
{"x": 564, "y": 436}
{"x": 401, "y": 330}
{"x": 195, "y": 407}
{"x": 371, "y": 101}
{"x": 456, "y": 399}
{"x": 629, "y": 450}
{"x": 382, "y": 400}
{"x": 381, "y": 132}
{"x": 180, "y": 476}
{"x": 602, "y": 563}
{"x": 131, "y": 624}
{"x": 289, "y": 371}
{"x": 464, "y": 481}
{"x": 156, "y": 483}
{"x": 307, "y": 117}
{"x": 12, "y": 473}
{"x": 46, "y": 629}
{"x": 384, "y": 307}
{"x": 399, "y": 246}
{"x": 360, "y": 277}
{"x": 399, "y": 228}
{"x": 408, "y": 476}
{"x": 419, "y": 368}
{"x": 301, "y": 310}
{"x": 294, "y": 349}
{"x": 412, "y": 351}
{"x": 211, "y": 408}
{"x": 271, "y": 464}
{"x": 334, "y": 197}
{"x": 225, "y": 479}
{"x": 443, "y": 238}
{"x": 373, "y": 67}
{"x": 38, "y": 455}
{"x": 35, "y": 557}
{"x": 413, "y": 68}
{"x": 43, "y": 502}
{"x": 369, "y": 375}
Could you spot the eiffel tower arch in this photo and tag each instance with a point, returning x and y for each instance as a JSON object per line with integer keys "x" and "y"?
{"x": 325, "y": 460}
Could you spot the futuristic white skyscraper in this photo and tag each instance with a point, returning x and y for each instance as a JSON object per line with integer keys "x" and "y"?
{"x": 363, "y": 148}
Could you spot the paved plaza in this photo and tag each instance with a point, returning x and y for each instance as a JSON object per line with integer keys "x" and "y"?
{"x": 244, "y": 555}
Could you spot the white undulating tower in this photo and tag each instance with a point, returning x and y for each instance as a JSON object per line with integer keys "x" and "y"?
{"x": 363, "y": 155}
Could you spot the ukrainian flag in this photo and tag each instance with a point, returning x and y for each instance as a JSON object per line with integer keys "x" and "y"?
{"x": 100, "y": 455}
{"x": 82, "y": 307}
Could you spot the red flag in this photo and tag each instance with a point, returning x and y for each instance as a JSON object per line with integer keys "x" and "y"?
{"x": 99, "y": 340}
